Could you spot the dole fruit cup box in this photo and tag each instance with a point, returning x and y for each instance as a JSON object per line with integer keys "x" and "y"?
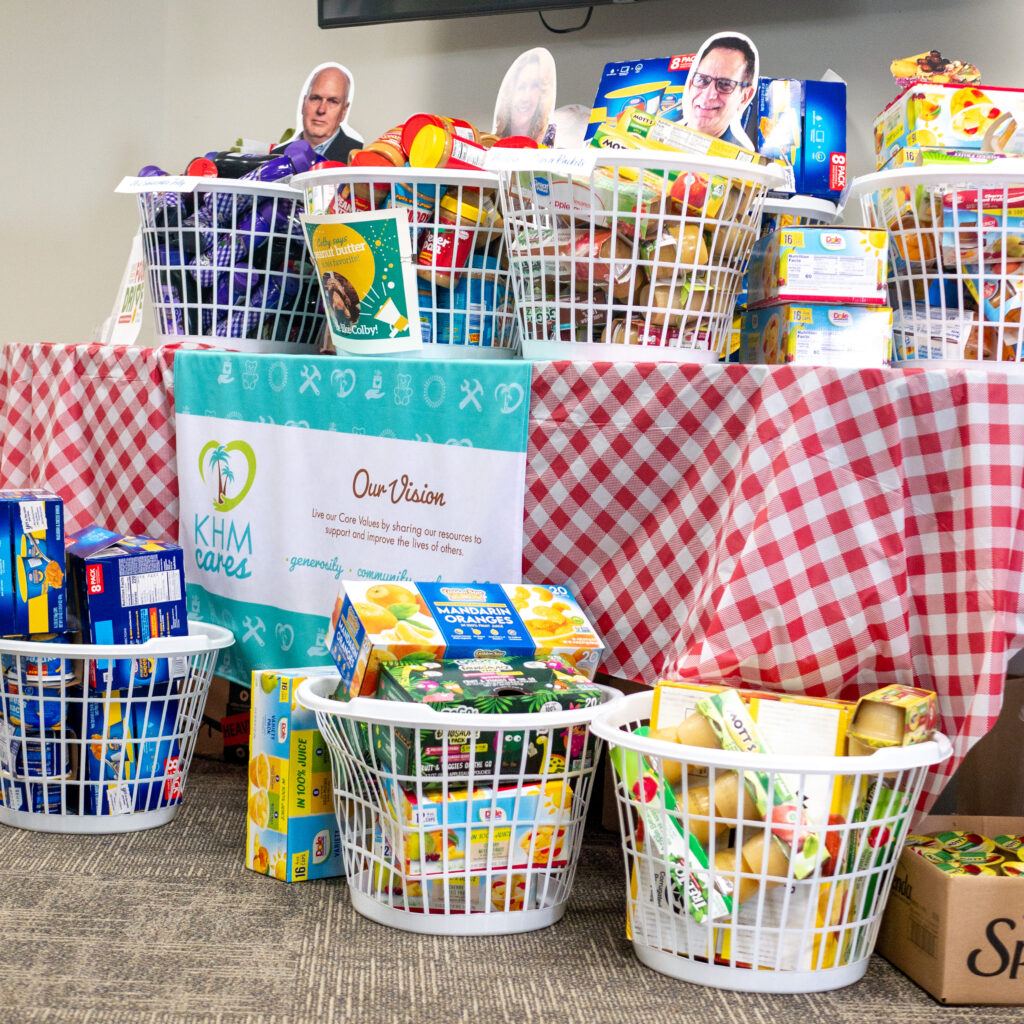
{"x": 292, "y": 831}
{"x": 127, "y": 589}
{"x": 510, "y": 685}
{"x": 819, "y": 264}
{"x": 385, "y": 622}
{"x": 455, "y": 830}
{"x": 817, "y": 334}
{"x": 928, "y": 115}
{"x": 32, "y": 563}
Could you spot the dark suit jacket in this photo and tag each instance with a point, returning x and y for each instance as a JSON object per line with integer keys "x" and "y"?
{"x": 339, "y": 148}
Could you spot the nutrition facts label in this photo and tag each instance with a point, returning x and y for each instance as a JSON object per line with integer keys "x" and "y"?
{"x": 817, "y": 269}
{"x": 150, "y": 588}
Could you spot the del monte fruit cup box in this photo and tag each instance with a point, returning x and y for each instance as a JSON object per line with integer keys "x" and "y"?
{"x": 374, "y": 623}
{"x": 469, "y": 686}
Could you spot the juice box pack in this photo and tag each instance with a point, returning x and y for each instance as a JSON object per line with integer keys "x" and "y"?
{"x": 930, "y": 115}
{"x": 803, "y": 123}
{"x": 817, "y": 334}
{"x": 433, "y": 833}
{"x": 292, "y": 831}
{"x": 127, "y": 589}
{"x": 823, "y": 264}
{"x": 487, "y": 685}
{"x": 32, "y": 563}
{"x": 385, "y": 622}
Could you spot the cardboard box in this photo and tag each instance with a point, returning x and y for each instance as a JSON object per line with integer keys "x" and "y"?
{"x": 224, "y": 731}
{"x": 375, "y": 622}
{"x": 482, "y": 685}
{"x": 126, "y": 589}
{"x": 935, "y": 115}
{"x": 817, "y": 334}
{"x": 292, "y": 831}
{"x": 819, "y": 264}
{"x": 959, "y": 937}
{"x": 803, "y": 123}
{"x": 32, "y": 563}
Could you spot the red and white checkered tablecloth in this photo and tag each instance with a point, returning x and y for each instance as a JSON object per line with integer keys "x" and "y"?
{"x": 806, "y": 529}
{"x": 810, "y": 529}
{"x": 95, "y": 423}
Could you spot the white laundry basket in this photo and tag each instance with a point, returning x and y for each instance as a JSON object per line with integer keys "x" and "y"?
{"x": 784, "y": 934}
{"x": 956, "y": 256}
{"x": 463, "y": 852}
{"x": 466, "y": 307}
{"x": 628, "y": 255}
{"x": 98, "y": 738}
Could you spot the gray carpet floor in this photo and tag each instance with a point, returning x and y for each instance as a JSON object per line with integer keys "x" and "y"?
{"x": 168, "y": 927}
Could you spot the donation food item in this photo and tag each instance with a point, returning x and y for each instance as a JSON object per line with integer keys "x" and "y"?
{"x": 487, "y": 685}
{"x": 933, "y": 67}
{"x": 384, "y": 622}
{"x": 894, "y": 716}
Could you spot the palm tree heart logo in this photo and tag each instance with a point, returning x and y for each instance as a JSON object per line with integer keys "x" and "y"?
{"x": 228, "y": 460}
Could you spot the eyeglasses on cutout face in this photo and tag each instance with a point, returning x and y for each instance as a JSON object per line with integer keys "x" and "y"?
{"x": 722, "y": 85}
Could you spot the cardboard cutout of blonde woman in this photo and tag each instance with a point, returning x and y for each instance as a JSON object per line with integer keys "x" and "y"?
{"x": 323, "y": 108}
{"x": 527, "y": 96}
{"x": 720, "y": 87}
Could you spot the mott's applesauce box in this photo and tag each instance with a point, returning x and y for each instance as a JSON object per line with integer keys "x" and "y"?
{"x": 468, "y": 686}
{"x": 929, "y": 115}
{"x": 817, "y": 334}
{"x": 127, "y": 589}
{"x": 894, "y": 716}
{"x": 32, "y": 563}
{"x": 499, "y": 827}
{"x": 819, "y": 264}
{"x": 385, "y": 622}
{"x": 291, "y": 830}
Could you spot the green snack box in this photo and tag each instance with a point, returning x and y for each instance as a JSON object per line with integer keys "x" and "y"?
{"x": 505, "y": 685}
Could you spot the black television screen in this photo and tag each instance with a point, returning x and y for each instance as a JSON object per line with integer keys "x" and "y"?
{"x": 346, "y": 13}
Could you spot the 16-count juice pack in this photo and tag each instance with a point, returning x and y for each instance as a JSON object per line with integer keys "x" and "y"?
{"x": 384, "y": 622}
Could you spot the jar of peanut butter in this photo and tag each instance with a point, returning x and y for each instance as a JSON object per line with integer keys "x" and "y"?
{"x": 445, "y": 251}
{"x": 458, "y": 127}
{"x": 436, "y": 146}
{"x": 383, "y": 152}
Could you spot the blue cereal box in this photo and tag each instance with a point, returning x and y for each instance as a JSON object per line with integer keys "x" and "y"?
{"x": 127, "y": 589}
{"x": 292, "y": 831}
{"x": 132, "y": 760}
{"x": 819, "y": 264}
{"x": 803, "y": 123}
{"x": 32, "y": 563}
{"x": 377, "y": 622}
{"x": 818, "y": 334}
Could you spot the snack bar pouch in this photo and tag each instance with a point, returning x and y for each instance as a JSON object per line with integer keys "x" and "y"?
{"x": 771, "y": 792}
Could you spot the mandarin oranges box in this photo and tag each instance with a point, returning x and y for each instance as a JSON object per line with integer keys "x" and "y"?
{"x": 385, "y": 622}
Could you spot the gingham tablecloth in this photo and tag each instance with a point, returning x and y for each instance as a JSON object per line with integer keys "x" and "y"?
{"x": 95, "y": 423}
{"x": 794, "y": 528}
{"x": 805, "y": 529}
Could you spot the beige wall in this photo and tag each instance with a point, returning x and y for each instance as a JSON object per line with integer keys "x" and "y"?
{"x": 90, "y": 92}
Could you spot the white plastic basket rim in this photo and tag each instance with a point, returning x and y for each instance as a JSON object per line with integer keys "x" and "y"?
{"x": 612, "y": 720}
{"x": 183, "y": 183}
{"x": 1008, "y": 173}
{"x": 395, "y": 175}
{"x": 202, "y": 637}
{"x": 314, "y": 695}
{"x": 802, "y": 206}
{"x": 581, "y": 163}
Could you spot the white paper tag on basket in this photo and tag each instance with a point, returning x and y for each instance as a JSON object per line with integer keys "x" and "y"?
{"x": 177, "y": 666}
{"x": 119, "y": 799}
{"x": 160, "y": 183}
{"x": 6, "y": 732}
{"x": 125, "y": 320}
{"x": 564, "y": 161}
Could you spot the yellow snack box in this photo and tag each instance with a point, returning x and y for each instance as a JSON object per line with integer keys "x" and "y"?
{"x": 894, "y": 716}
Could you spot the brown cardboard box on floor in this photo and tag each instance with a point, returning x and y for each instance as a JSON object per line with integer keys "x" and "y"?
{"x": 960, "y": 937}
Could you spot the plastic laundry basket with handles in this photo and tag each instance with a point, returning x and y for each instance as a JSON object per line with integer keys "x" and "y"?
{"x": 714, "y": 896}
{"x": 628, "y": 255}
{"x": 463, "y": 852}
{"x": 98, "y": 738}
{"x": 464, "y": 293}
{"x": 956, "y": 255}
{"x": 227, "y": 263}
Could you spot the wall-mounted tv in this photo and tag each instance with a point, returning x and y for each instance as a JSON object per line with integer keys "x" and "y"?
{"x": 347, "y": 13}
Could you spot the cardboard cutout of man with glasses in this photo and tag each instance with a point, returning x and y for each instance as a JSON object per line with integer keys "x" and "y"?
{"x": 720, "y": 86}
